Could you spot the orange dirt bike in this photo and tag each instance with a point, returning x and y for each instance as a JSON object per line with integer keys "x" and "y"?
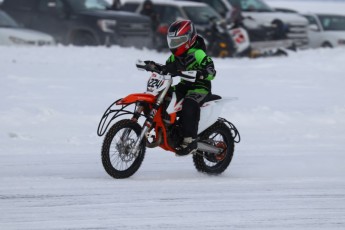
{"x": 154, "y": 122}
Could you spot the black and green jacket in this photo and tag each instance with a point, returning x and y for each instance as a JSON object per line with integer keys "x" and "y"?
{"x": 195, "y": 59}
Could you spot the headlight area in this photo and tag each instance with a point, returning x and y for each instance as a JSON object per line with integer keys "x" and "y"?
{"x": 20, "y": 41}
{"x": 107, "y": 25}
{"x": 341, "y": 42}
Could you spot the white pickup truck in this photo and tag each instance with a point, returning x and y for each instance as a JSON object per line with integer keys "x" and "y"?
{"x": 291, "y": 28}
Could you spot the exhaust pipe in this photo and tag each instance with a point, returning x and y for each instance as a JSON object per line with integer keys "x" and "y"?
{"x": 202, "y": 146}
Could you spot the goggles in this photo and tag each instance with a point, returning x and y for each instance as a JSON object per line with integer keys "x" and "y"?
{"x": 175, "y": 42}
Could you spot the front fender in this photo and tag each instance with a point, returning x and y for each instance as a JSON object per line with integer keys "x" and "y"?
{"x": 137, "y": 97}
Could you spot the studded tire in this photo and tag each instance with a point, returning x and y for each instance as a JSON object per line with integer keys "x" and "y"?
{"x": 116, "y": 158}
{"x": 211, "y": 163}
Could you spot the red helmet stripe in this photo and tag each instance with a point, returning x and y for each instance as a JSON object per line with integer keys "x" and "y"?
{"x": 184, "y": 29}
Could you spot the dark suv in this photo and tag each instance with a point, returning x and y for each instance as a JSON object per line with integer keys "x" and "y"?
{"x": 81, "y": 22}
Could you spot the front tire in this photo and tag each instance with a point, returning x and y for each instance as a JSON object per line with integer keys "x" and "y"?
{"x": 219, "y": 135}
{"x": 327, "y": 45}
{"x": 117, "y": 159}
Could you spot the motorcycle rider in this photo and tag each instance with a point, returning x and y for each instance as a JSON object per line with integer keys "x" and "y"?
{"x": 188, "y": 54}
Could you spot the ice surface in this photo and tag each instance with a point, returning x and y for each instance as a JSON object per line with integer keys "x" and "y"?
{"x": 287, "y": 173}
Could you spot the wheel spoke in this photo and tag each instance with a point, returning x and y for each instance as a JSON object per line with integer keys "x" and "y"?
{"x": 120, "y": 156}
{"x": 117, "y": 159}
{"x": 211, "y": 160}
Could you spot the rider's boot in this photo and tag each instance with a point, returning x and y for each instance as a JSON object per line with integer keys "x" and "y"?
{"x": 188, "y": 146}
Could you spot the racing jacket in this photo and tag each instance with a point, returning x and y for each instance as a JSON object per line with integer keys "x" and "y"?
{"x": 194, "y": 59}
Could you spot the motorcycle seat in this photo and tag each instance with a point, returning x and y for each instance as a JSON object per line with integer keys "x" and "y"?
{"x": 213, "y": 97}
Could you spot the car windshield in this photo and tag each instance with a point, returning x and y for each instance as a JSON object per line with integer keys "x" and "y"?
{"x": 7, "y": 21}
{"x": 85, "y": 5}
{"x": 201, "y": 14}
{"x": 251, "y": 5}
{"x": 332, "y": 22}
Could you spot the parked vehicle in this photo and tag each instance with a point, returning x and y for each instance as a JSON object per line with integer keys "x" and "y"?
{"x": 201, "y": 14}
{"x": 81, "y": 22}
{"x": 264, "y": 24}
{"x": 326, "y": 30}
{"x": 243, "y": 47}
{"x": 154, "y": 122}
{"x": 12, "y": 34}
{"x": 220, "y": 42}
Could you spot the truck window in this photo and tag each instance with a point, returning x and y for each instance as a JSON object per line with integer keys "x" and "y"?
{"x": 96, "y": 4}
{"x": 311, "y": 19}
{"x": 218, "y": 6}
{"x": 84, "y": 5}
{"x": 130, "y": 7}
{"x": 251, "y": 5}
{"x": 201, "y": 15}
{"x": 332, "y": 22}
{"x": 167, "y": 14}
{"x": 7, "y": 21}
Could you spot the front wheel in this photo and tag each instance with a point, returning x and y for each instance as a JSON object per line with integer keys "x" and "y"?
{"x": 327, "y": 45}
{"x": 117, "y": 159}
{"x": 220, "y": 136}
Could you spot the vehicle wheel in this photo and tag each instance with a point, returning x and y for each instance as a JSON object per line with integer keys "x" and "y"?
{"x": 218, "y": 135}
{"x": 117, "y": 159}
{"x": 84, "y": 39}
{"x": 327, "y": 45}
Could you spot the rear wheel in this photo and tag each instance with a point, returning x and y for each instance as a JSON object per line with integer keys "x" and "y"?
{"x": 117, "y": 159}
{"x": 84, "y": 39}
{"x": 218, "y": 135}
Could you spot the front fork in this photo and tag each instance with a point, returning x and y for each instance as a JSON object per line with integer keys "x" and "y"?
{"x": 149, "y": 121}
{"x": 146, "y": 127}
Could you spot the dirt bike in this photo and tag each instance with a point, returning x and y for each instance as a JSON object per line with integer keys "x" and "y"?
{"x": 125, "y": 143}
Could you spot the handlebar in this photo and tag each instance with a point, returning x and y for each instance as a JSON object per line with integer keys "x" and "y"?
{"x": 151, "y": 66}
{"x": 148, "y": 66}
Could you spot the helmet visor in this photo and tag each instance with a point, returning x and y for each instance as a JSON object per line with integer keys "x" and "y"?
{"x": 175, "y": 42}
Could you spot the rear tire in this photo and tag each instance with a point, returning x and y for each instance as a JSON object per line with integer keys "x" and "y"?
{"x": 116, "y": 157}
{"x": 221, "y": 136}
{"x": 84, "y": 39}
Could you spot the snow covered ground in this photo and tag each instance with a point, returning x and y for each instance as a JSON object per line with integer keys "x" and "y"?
{"x": 287, "y": 172}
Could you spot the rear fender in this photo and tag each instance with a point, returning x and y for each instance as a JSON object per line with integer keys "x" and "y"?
{"x": 210, "y": 111}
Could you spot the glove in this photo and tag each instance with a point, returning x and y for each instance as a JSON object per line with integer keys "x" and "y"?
{"x": 150, "y": 65}
{"x": 170, "y": 68}
{"x": 154, "y": 67}
{"x": 200, "y": 75}
{"x": 203, "y": 74}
